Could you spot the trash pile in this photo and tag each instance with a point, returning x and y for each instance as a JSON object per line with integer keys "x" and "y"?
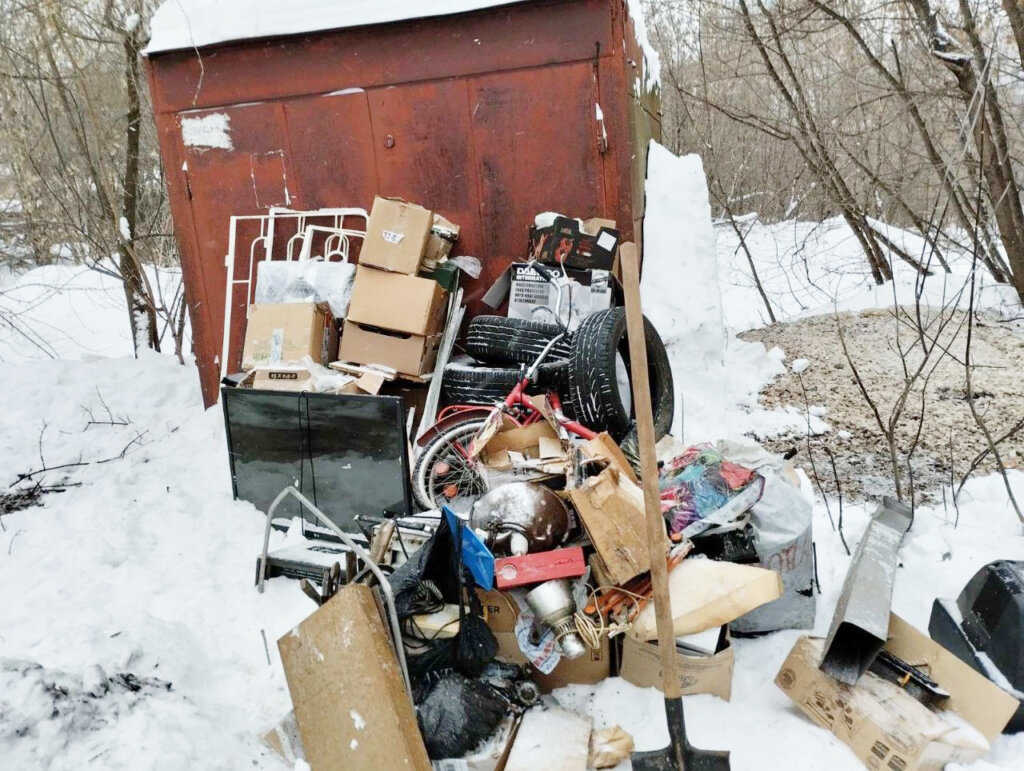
{"x": 464, "y": 566}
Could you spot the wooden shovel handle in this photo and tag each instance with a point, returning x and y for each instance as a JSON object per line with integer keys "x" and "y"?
{"x": 649, "y": 471}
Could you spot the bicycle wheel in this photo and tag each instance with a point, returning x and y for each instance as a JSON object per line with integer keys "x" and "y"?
{"x": 443, "y": 475}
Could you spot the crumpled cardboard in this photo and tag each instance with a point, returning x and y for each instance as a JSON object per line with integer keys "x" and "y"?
{"x": 551, "y": 737}
{"x": 612, "y": 509}
{"x": 705, "y": 594}
{"x": 886, "y": 727}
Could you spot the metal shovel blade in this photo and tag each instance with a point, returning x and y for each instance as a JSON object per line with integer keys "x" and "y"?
{"x": 680, "y": 755}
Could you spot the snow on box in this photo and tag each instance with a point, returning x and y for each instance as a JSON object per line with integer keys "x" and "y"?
{"x": 181, "y": 24}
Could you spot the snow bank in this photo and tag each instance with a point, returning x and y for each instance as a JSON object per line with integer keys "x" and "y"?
{"x": 69, "y": 312}
{"x": 195, "y": 23}
{"x": 717, "y": 378}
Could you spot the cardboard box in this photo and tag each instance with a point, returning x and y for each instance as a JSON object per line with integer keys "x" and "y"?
{"x": 612, "y": 510}
{"x": 279, "y": 333}
{"x": 396, "y": 302}
{"x": 282, "y": 378}
{"x": 396, "y": 236}
{"x": 405, "y": 353}
{"x": 641, "y": 665}
{"x": 501, "y": 612}
{"x": 442, "y": 238}
{"x": 592, "y": 246}
{"x": 590, "y": 291}
{"x": 886, "y": 727}
{"x": 333, "y": 661}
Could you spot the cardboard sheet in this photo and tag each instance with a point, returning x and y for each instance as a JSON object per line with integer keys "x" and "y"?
{"x": 612, "y": 510}
{"x": 346, "y": 686}
{"x": 705, "y": 593}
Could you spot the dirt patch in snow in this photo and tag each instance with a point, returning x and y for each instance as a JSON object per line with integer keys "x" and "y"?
{"x": 884, "y": 347}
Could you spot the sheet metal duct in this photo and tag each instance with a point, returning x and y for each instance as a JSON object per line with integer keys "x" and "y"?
{"x": 861, "y": 622}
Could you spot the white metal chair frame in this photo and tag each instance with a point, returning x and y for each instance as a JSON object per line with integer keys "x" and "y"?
{"x": 337, "y": 245}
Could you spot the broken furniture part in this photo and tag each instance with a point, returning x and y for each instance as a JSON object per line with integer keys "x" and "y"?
{"x": 534, "y": 749}
{"x": 385, "y": 587}
{"x": 521, "y": 517}
{"x": 679, "y": 754}
{"x": 985, "y": 626}
{"x": 543, "y": 566}
{"x": 553, "y": 604}
{"x": 350, "y": 702}
{"x": 909, "y": 678}
{"x": 882, "y": 723}
{"x": 705, "y": 594}
{"x": 347, "y": 453}
{"x": 302, "y": 561}
{"x": 861, "y": 619}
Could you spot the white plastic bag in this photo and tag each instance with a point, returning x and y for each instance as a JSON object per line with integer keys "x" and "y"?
{"x": 299, "y": 281}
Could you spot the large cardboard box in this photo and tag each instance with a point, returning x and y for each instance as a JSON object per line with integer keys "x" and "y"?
{"x": 405, "y": 353}
{"x": 396, "y": 302}
{"x": 350, "y": 701}
{"x": 280, "y": 333}
{"x": 501, "y": 612}
{"x": 396, "y": 236}
{"x": 641, "y": 665}
{"x": 885, "y": 726}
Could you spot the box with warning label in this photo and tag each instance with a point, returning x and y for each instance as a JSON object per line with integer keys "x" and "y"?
{"x": 531, "y": 297}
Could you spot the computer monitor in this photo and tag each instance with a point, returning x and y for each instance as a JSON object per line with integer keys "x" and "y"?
{"x": 347, "y": 453}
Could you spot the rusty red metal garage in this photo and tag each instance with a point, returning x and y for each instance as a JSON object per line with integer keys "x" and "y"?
{"x": 488, "y": 117}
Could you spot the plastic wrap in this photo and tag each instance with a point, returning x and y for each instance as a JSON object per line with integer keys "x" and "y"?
{"x": 299, "y": 281}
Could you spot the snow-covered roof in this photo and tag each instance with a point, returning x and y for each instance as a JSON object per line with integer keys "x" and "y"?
{"x": 181, "y": 24}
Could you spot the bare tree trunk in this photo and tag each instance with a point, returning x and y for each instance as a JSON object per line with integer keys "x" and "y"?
{"x": 142, "y": 315}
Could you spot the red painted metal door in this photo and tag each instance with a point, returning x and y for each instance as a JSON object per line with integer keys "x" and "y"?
{"x": 537, "y": 145}
{"x": 237, "y": 162}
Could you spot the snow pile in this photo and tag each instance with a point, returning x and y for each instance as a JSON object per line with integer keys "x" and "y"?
{"x": 195, "y": 23}
{"x": 144, "y": 564}
{"x": 70, "y": 312}
{"x": 717, "y": 378}
{"x": 815, "y": 268}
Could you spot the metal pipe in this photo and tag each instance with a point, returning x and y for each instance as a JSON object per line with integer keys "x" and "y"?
{"x": 382, "y": 579}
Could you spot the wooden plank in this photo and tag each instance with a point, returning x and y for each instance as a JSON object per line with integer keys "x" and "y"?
{"x": 649, "y": 474}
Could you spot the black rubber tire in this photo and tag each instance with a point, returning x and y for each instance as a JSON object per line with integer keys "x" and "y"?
{"x": 507, "y": 342}
{"x": 467, "y": 384}
{"x": 593, "y": 391}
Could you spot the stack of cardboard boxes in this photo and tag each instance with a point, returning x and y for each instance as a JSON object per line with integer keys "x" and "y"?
{"x": 396, "y": 317}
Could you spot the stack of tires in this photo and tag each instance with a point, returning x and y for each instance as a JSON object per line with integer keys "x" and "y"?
{"x": 588, "y": 369}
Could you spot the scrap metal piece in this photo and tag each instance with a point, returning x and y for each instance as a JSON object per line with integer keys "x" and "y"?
{"x": 861, "y": 621}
